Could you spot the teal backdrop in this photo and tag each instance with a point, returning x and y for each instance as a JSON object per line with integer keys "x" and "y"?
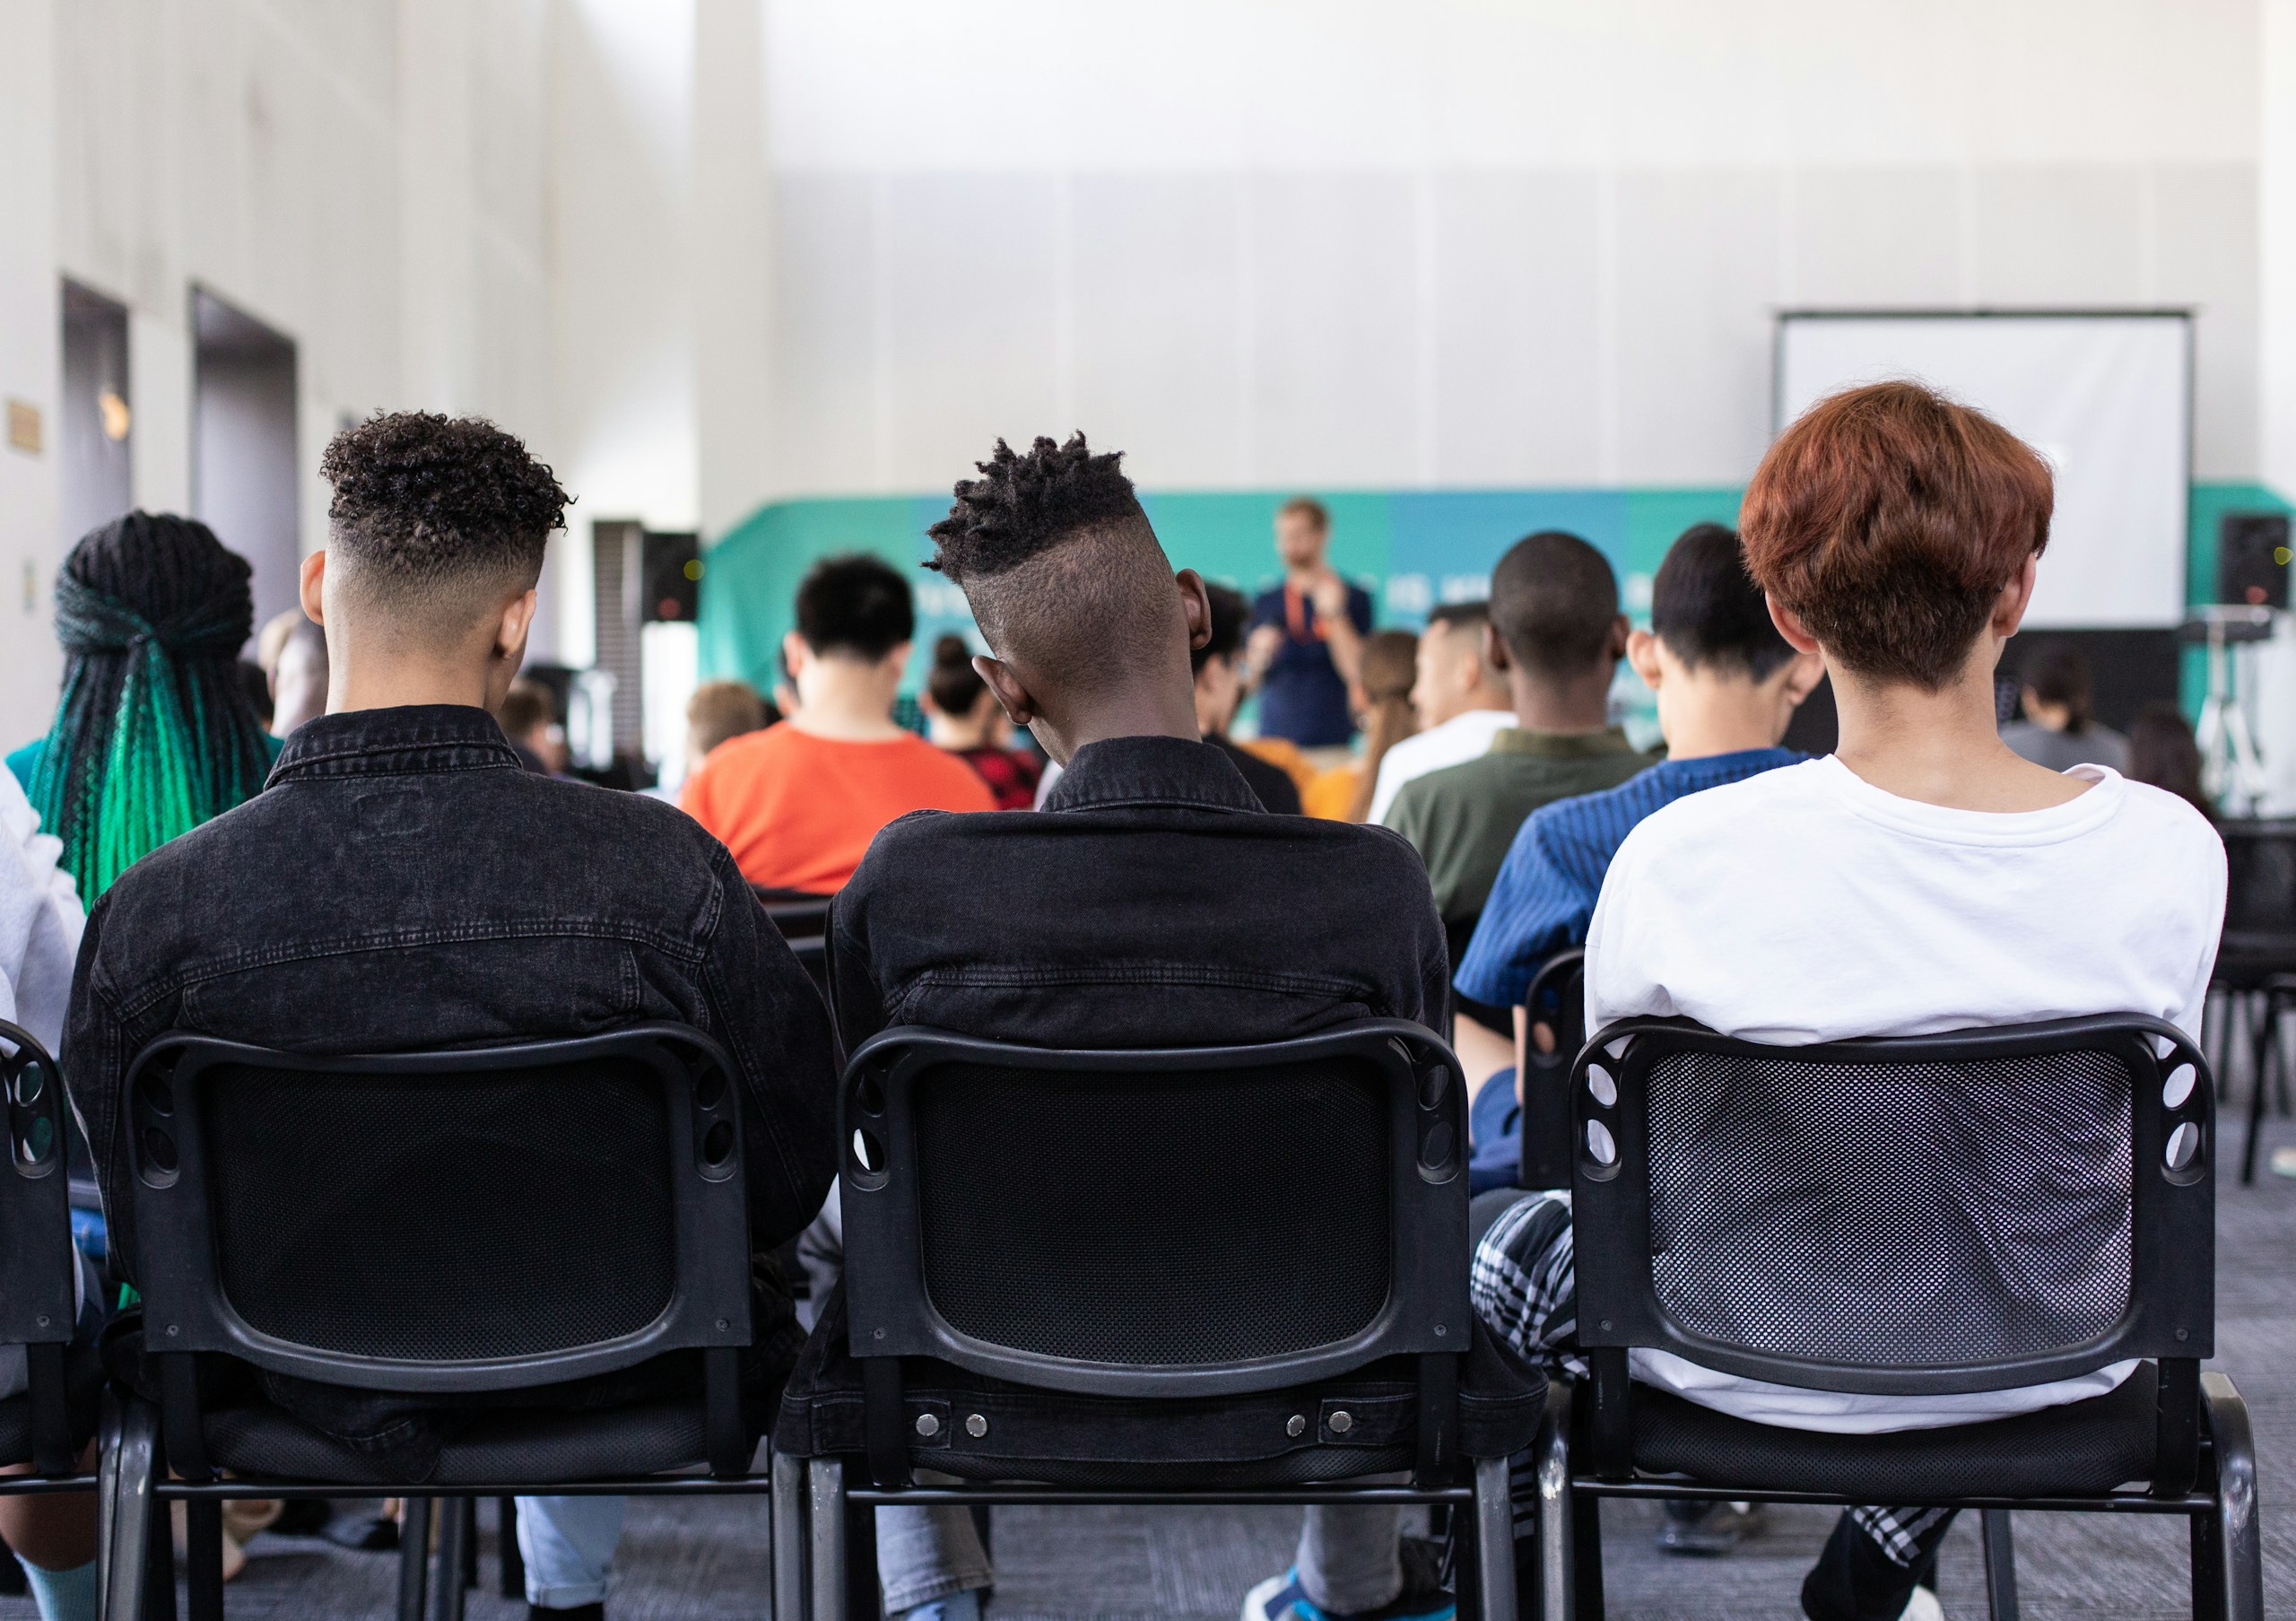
{"x": 1411, "y": 548}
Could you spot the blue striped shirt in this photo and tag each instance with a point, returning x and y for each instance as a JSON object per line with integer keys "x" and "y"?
{"x": 1547, "y": 887}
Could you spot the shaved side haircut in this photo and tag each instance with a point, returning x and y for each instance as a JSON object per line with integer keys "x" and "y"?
{"x": 436, "y": 518}
{"x": 1064, "y": 576}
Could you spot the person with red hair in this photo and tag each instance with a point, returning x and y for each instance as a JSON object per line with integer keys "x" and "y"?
{"x": 1921, "y": 878}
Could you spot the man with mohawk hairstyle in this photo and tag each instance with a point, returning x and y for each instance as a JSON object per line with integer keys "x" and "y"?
{"x": 1152, "y": 902}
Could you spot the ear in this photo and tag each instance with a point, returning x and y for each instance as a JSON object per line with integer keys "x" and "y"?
{"x": 1642, "y": 653}
{"x": 511, "y": 633}
{"x": 1014, "y": 698}
{"x": 314, "y": 578}
{"x": 896, "y": 659}
{"x": 1621, "y": 627}
{"x": 1195, "y": 603}
{"x": 1494, "y": 649}
{"x": 1790, "y": 626}
{"x": 1800, "y": 675}
{"x": 2016, "y": 596}
{"x": 795, "y": 653}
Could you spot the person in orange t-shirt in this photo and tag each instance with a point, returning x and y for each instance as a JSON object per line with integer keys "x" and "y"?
{"x": 797, "y": 803}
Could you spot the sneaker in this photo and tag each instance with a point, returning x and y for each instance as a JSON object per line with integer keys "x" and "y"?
{"x": 2283, "y": 1162}
{"x": 1283, "y": 1599}
{"x": 1922, "y": 1606}
{"x": 1708, "y": 1530}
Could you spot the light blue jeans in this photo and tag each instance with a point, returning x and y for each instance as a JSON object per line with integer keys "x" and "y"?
{"x": 568, "y": 1545}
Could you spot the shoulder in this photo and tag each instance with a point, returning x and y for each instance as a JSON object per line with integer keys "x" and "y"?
{"x": 2170, "y": 829}
{"x": 1766, "y": 808}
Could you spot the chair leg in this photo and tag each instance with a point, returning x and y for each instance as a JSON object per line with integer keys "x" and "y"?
{"x": 128, "y": 1462}
{"x": 513, "y": 1562}
{"x": 446, "y": 1563}
{"x": 204, "y": 1558}
{"x": 1558, "y": 1540}
{"x": 413, "y": 1556}
{"x": 2000, "y": 1566}
{"x": 159, "y": 1563}
{"x": 825, "y": 1513}
{"x": 2259, "y": 1036}
{"x": 1494, "y": 1539}
{"x": 788, "y": 1516}
{"x": 2235, "y": 1551}
{"x": 1587, "y": 1555}
{"x": 470, "y": 1540}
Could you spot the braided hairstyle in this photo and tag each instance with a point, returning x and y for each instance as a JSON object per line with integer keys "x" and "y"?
{"x": 154, "y": 733}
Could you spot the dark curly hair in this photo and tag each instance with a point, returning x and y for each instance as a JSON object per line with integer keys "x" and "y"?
{"x": 1063, "y": 574}
{"x": 423, "y": 499}
{"x": 1022, "y": 505}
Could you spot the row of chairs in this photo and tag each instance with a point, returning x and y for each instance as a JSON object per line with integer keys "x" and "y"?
{"x": 1232, "y": 1276}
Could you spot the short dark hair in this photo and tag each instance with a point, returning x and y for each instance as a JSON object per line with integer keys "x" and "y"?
{"x": 1459, "y": 616}
{"x": 1231, "y": 615}
{"x": 1889, "y": 518}
{"x": 1317, "y": 515}
{"x": 953, "y": 684}
{"x": 1708, "y": 610}
{"x": 425, "y": 503}
{"x": 2059, "y": 673}
{"x": 1555, "y": 603}
{"x": 526, "y": 705}
{"x": 1057, "y": 559}
{"x": 855, "y": 603}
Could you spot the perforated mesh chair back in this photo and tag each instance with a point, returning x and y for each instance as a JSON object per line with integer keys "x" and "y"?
{"x": 1099, "y": 1220}
{"x": 1945, "y": 1213}
{"x": 443, "y": 1220}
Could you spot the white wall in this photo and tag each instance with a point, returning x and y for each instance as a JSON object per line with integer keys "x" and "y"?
{"x": 1460, "y": 243}
{"x": 31, "y": 335}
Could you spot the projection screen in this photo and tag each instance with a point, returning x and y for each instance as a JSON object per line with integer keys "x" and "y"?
{"x": 2106, "y": 397}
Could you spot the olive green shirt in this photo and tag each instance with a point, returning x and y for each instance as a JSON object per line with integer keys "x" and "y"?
{"x": 1462, "y": 819}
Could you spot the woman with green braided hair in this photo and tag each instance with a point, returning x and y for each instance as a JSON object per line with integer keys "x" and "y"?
{"x": 153, "y": 733}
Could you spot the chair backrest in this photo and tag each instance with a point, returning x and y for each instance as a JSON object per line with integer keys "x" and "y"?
{"x": 1557, "y": 997}
{"x": 1975, "y": 1210}
{"x": 2259, "y": 897}
{"x": 478, "y": 1219}
{"x": 36, "y": 1291}
{"x": 799, "y": 915}
{"x": 1177, "y": 1223}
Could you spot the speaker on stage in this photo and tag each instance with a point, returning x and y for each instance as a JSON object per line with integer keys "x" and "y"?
{"x": 2252, "y": 558}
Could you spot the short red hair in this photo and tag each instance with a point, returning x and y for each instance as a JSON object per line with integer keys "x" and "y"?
{"x": 1889, "y": 518}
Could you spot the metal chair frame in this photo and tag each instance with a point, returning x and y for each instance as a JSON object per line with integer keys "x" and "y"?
{"x": 2205, "y": 1453}
{"x": 187, "y": 1310}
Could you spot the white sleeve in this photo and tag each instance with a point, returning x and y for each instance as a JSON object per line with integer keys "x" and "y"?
{"x": 40, "y": 919}
{"x": 1384, "y": 789}
{"x": 2207, "y": 880}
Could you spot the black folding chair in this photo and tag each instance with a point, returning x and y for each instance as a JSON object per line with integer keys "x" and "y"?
{"x": 2255, "y": 963}
{"x": 1557, "y": 998}
{"x": 1978, "y": 1210}
{"x": 451, "y": 1223}
{"x": 1222, "y": 1275}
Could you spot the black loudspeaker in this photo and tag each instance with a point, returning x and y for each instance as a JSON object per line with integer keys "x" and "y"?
{"x": 2252, "y": 559}
{"x": 673, "y": 564}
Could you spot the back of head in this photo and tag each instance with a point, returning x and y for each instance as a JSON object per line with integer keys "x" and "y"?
{"x": 1389, "y": 671}
{"x": 1232, "y": 616}
{"x": 1889, "y": 518}
{"x": 436, "y": 521}
{"x": 527, "y": 708}
{"x": 954, "y": 685}
{"x": 1390, "y": 664}
{"x": 2163, "y": 752}
{"x": 1555, "y": 603}
{"x": 2059, "y": 675}
{"x": 717, "y": 711}
{"x": 854, "y": 606}
{"x": 153, "y": 733}
{"x": 1708, "y": 610}
{"x": 1064, "y": 576}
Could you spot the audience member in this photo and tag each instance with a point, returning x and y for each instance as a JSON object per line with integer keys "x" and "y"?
{"x": 1150, "y": 902}
{"x": 153, "y": 733}
{"x": 962, "y": 716}
{"x": 1218, "y": 665}
{"x": 297, "y": 676}
{"x": 1461, "y": 699}
{"x": 528, "y": 717}
{"x": 2163, "y": 752}
{"x": 52, "y": 1534}
{"x": 1380, "y": 697}
{"x": 798, "y": 802}
{"x": 439, "y": 895}
{"x": 257, "y": 686}
{"x": 1922, "y": 878}
{"x": 1307, "y": 634}
{"x": 718, "y": 711}
{"x": 2060, "y": 728}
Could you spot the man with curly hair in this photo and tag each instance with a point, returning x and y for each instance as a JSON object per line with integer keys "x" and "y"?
{"x": 1152, "y": 902}
{"x": 401, "y": 883}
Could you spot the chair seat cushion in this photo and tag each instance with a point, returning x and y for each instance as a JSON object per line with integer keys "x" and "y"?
{"x": 532, "y": 1447}
{"x": 1065, "y": 1438}
{"x": 2083, "y": 1448}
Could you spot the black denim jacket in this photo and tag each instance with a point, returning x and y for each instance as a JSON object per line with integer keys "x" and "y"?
{"x": 1152, "y": 902}
{"x": 402, "y": 883}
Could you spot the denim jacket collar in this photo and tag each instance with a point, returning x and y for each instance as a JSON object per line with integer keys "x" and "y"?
{"x": 1122, "y": 772}
{"x": 407, "y": 739}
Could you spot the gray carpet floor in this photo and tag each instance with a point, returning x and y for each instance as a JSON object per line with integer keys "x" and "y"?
{"x": 706, "y": 1561}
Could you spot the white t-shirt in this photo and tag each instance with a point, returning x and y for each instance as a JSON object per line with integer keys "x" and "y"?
{"x": 1459, "y": 739}
{"x": 1807, "y": 905}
